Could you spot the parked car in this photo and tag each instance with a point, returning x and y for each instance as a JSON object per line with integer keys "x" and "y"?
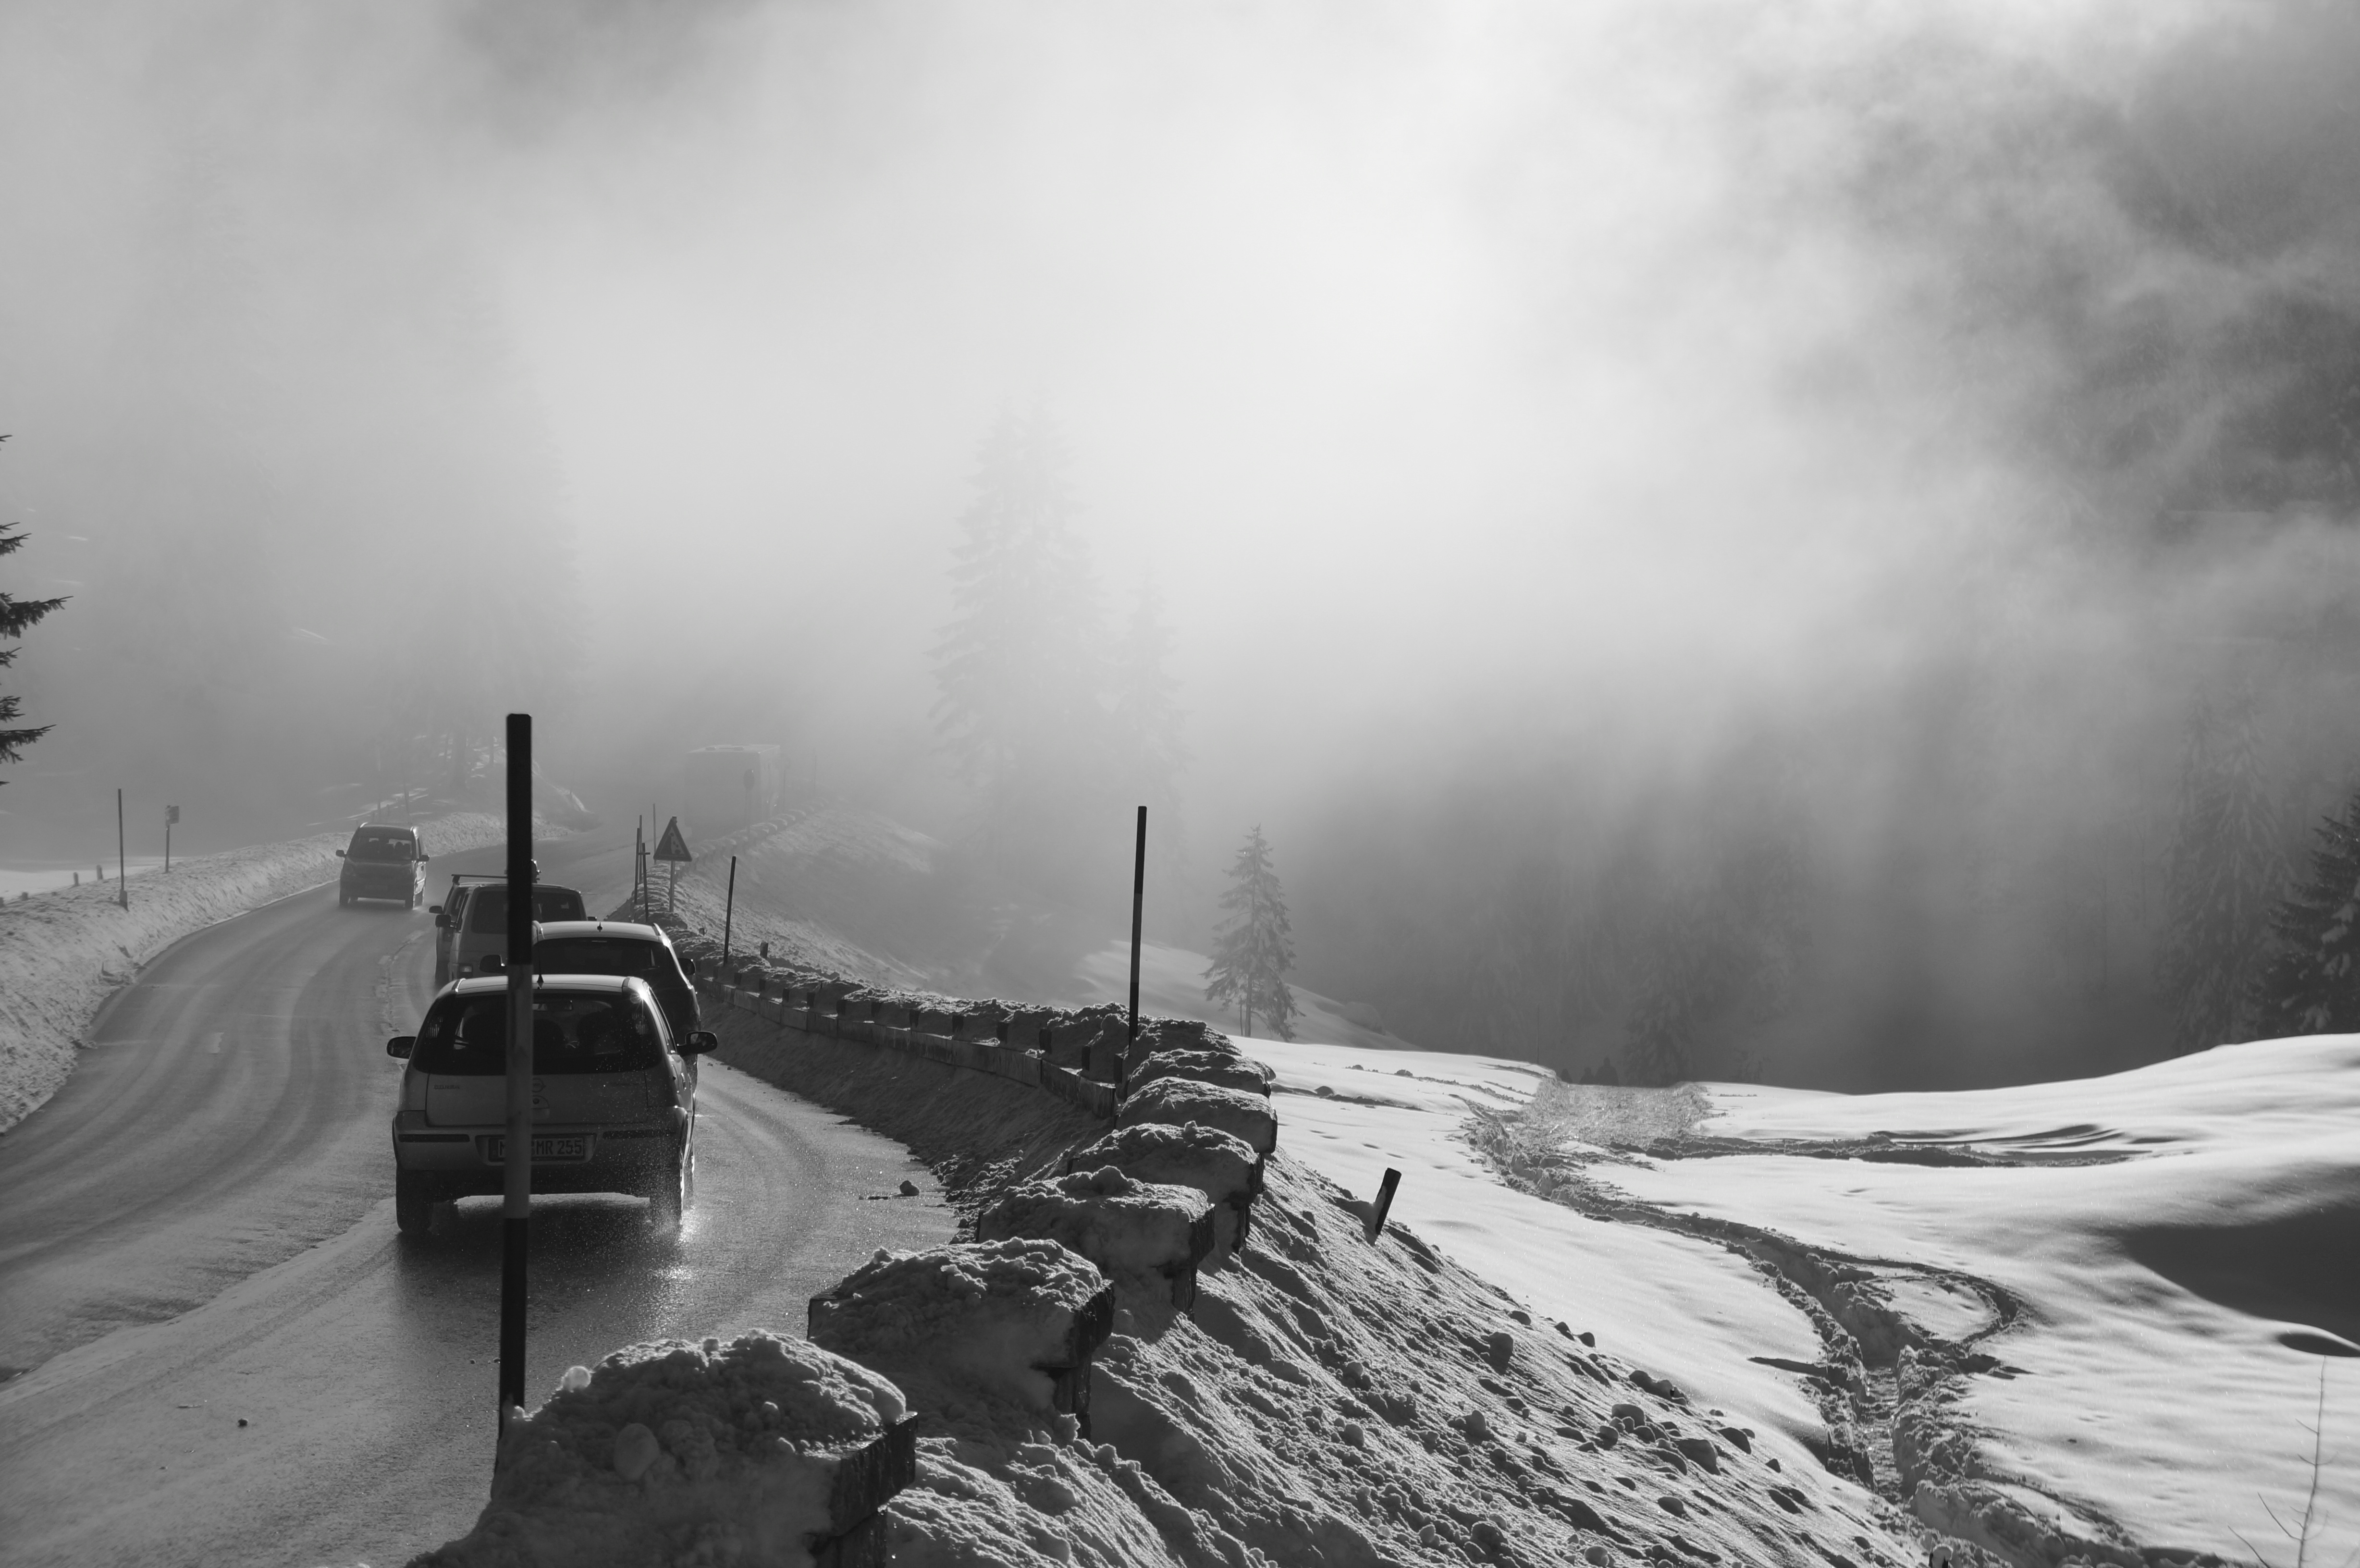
{"x": 472, "y": 923}
{"x": 616, "y": 947}
{"x": 382, "y": 862}
{"x": 614, "y": 1097}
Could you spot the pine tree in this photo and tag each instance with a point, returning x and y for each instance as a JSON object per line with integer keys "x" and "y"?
{"x": 1020, "y": 664}
{"x": 1020, "y": 672}
{"x": 16, "y": 618}
{"x": 1146, "y": 711}
{"x": 1254, "y": 948}
{"x": 1722, "y": 954}
{"x": 2310, "y": 984}
{"x": 1679, "y": 989}
{"x": 2223, "y": 869}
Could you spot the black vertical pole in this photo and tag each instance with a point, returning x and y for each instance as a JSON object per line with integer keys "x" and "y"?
{"x": 1138, "y": 903}
{"x": 515, "y": 1208}
{"x": 121, "y": 867}
{"x": 728, "y": 912}
{"x": 1375, "y": 1225}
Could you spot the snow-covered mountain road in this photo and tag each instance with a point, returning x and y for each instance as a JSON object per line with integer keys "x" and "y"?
{"x": 232, "y": 1356}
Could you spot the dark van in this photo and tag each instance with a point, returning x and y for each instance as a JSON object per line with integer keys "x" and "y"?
{"x": 382, "y": 862}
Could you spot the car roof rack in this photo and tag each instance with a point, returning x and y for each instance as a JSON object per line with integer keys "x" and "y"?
{"x": 459, "y": 877}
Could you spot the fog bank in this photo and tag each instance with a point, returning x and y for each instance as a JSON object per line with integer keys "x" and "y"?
{"x": 1674, "y": 517}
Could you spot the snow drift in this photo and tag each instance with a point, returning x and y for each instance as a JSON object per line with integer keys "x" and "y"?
{"x": 670, "y": 1452}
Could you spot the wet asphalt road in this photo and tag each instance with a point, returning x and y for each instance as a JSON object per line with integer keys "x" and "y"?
{"x": 198, "y": 1230}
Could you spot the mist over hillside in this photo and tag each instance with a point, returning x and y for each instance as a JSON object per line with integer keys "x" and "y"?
{"x": 1722, "y": 539}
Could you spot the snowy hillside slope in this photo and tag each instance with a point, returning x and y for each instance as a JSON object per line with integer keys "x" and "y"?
{"x": 61, "y": 952}
{"x": 833, "y": 887}
{"x": 1324, "y": 1398}
{"x": 2090, "y": 1318}
{"x": 2084, "y": 1319}
{"x": 1686, "y": 1307}
{"x": 2182, "y": 1243}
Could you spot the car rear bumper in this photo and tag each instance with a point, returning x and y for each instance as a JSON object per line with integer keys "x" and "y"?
{"x": 457, "y": 1162}
{"x": 376, "y": 885}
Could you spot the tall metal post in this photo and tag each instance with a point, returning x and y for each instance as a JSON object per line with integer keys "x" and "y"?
{"x": 515, "y": 1208}
{"x": 1138, "y": 904}
{"x": 728, "y": 912}
{"x": 121, "y": 867}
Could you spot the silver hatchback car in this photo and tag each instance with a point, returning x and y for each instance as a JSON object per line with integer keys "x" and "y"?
{"x": 614, "y": 1097}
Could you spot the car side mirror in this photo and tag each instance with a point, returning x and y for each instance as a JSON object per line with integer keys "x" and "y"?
{"x": 490, "y": 964}
{"x": 700, "y": 1041}
{"x": 424, "y": 858}
{"x": 340, "y": 855}
{"x": 400, "y": 1046}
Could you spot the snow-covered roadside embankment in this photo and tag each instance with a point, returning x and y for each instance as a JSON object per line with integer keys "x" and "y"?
{"x": 1127, "y": 1373}
{"x": 61, "y": 953}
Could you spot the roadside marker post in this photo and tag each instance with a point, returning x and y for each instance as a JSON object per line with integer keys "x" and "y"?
{"x": 1138, "y": 904}
{"x": 171, "y": 815}
{"x": 728, "y": 911}
{"x": 122, "y": 864}
{"x": 1384, "y": 1203}
{"x": 516, "y": 1181}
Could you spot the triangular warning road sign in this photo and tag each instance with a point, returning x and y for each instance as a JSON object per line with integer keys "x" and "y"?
{"x": 672, "y": 846}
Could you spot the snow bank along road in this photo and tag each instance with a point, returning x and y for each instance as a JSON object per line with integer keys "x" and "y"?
{"x": 217, "y": 1352}
{"x": 65, "y": 952}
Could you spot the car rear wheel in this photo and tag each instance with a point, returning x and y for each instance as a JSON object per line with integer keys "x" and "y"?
{"x": 413, "y": 1210}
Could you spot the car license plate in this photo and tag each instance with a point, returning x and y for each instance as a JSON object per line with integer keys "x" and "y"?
{"x": 495, "y": 1148}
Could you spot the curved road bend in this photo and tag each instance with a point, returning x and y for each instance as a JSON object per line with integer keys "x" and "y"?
{"x": 197, "y": 1231}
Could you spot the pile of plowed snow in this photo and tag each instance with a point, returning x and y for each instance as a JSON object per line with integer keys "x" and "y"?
{"x": 674, "y": 1452}
{"x": 62, "y": 952}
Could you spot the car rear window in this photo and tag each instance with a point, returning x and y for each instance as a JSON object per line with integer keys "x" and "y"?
{"x": 468, "y": 1036}
{"x": 368, "y": 846}
{"x": 650, "y": 961}
{"x": 487, "y": 910}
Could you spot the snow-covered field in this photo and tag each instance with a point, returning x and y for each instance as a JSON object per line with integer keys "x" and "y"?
{"x": 47, "y": 875}
{"x": 62, "y": 952}
{"x": 2081, "y": 1320}
{"x": 2172, "y": 1249}
{"x": 1687, "y": 1308}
